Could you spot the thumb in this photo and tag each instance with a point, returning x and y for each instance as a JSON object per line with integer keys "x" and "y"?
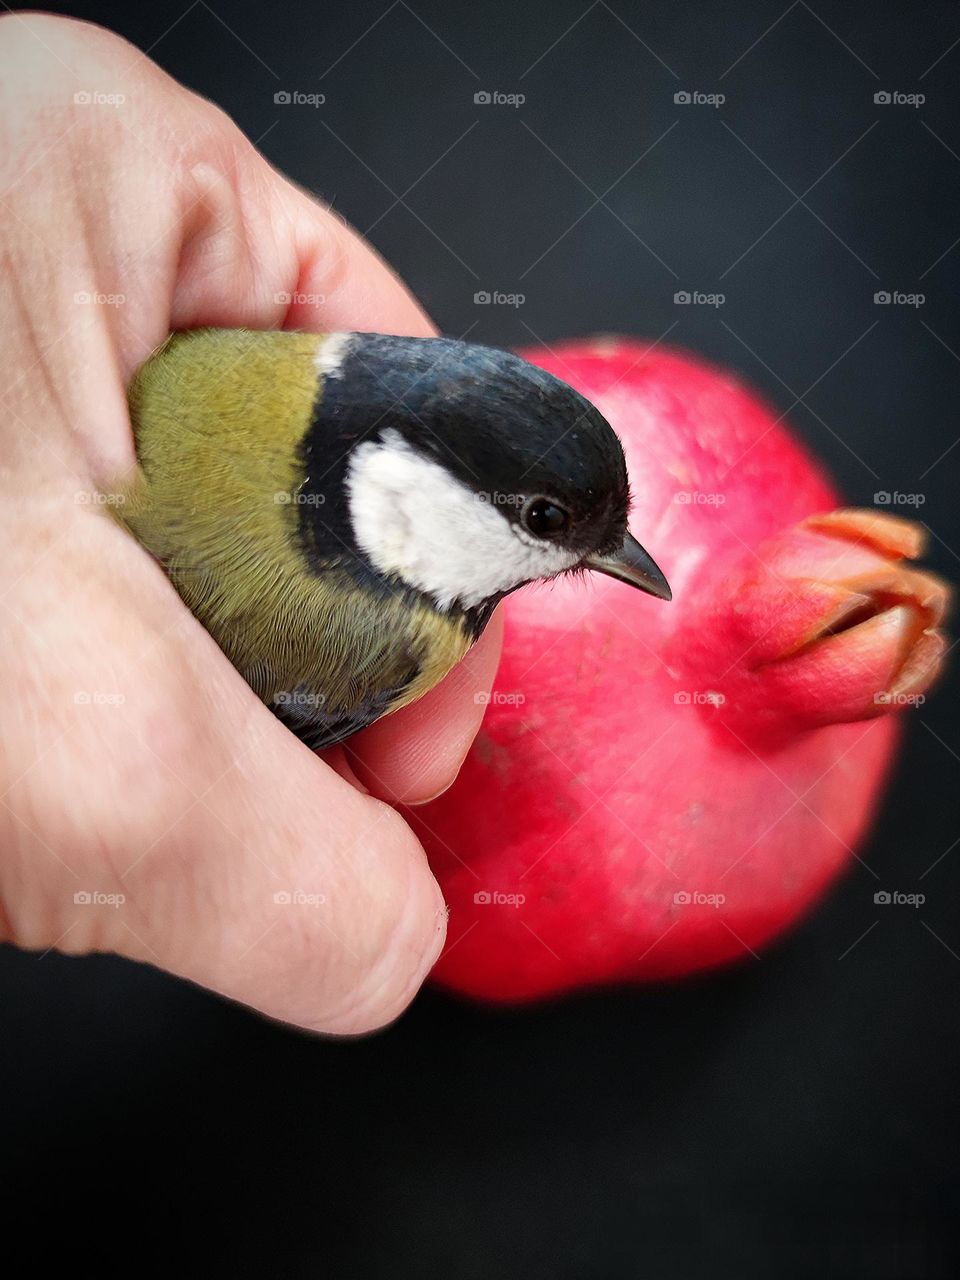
{"x": 158, "y": 810}
{"x": 286, "y": 888}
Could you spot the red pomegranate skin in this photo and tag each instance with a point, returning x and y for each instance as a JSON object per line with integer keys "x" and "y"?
{"x": 658, "y": 788}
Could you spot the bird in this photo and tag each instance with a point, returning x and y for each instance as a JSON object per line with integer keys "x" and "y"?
{"x": 343, "y": 511}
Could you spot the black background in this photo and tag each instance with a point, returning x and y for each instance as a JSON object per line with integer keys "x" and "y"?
{"x": 793, "y": 1117}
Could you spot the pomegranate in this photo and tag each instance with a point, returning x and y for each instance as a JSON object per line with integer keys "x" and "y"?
{"x": 660, "y": 788}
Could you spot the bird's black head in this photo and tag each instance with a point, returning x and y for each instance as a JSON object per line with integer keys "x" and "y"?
{"x": 471, "y": 471}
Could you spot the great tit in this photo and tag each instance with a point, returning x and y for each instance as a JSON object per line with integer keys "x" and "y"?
{"x": 343, "y": 512}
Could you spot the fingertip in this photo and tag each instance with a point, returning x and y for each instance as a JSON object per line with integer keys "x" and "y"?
{"x": 336, "y": 759}
{"x": 407, "y": 954}
{"x": 414, "y": 755}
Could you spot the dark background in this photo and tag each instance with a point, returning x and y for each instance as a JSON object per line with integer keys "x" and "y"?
{"x": 794, "y": 1117}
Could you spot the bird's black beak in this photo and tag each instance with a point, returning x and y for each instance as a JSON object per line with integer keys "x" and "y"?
{"x": 632, "y": 565}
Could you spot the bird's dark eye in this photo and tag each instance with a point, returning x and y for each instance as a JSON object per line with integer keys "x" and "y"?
{"x": 544, "y": 518}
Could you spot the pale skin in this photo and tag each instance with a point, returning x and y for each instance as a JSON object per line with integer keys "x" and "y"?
{"x": 135, "y": 764}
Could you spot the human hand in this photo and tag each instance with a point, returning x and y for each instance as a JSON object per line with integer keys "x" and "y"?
{"x": 149, "y": 803}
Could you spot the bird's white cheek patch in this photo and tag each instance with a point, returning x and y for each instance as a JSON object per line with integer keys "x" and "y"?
{"x": 413, "y": 519}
